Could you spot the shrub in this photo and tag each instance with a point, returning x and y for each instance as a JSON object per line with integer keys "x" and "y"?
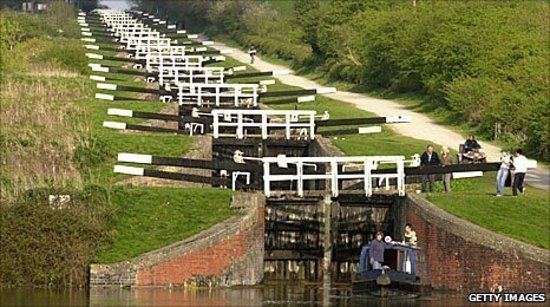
{"x": 59, "y": 243}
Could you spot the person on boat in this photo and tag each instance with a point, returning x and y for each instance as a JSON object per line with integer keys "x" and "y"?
{"x": 252, "y": 53}
{"x": 376, "y": 251}
{"x": 471, "y": 144}
{"x": 409, "y": 237}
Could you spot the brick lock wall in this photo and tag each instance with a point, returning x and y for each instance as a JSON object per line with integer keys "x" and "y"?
{"x": 211, "y": 261}
{"x": 457, "y": 255}
{"x": 227, "y": 254}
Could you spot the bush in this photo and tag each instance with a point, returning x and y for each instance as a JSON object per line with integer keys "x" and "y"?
{"x": 68, "y": 54}
{"x": 58, "y": 243}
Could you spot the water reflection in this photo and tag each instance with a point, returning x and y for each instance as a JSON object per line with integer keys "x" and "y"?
{"x": 266, "y": 295}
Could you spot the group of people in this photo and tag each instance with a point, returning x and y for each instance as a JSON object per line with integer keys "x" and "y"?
{"x": 516, "y": 164}
{"x": 377, "y": 246}
{"x": 430, "y": 157}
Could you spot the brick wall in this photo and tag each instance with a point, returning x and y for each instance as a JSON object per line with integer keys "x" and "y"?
{"x": 458, "y": 255}
{"x": 228, "y": 254}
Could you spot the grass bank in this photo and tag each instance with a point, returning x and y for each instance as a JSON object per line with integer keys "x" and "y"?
{"x": 148, "y": 218}
{"x": 525, "y": 218}
{"x": 52, "y": 142}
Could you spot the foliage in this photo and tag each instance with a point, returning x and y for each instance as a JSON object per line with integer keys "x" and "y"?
{"x": 22, "y": 32}
{"x": 48, "y": 245}
{"x": 40, "y": 129}
{"x": 481, "y": 62}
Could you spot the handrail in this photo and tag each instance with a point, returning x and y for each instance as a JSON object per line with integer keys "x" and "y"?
{"x": 245, "y": 119}
{"x": 335, "y": 175}
{"x": 233, "y": 94}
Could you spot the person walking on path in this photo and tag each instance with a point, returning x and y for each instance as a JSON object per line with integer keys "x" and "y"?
{"x": 252, "y": 53}
{"x": 429, "y": 157}
{"x": 520, "y": 166}
{"x": 503, "y": 172}
{"x": 446, "y": 159}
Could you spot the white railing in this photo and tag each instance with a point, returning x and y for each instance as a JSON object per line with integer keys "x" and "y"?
{"x": 147, "y": 42}
{"x": 369, "y": 164}
{"x": 173, "y": 63}
{"x": 191, "y": 75}
{"x": 125, "y": 36}
{"x": 154, "y": 55}
{"x": 269, "y": 120}
{"x": 225, "y": 94}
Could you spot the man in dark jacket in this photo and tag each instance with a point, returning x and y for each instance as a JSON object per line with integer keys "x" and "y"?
{"x": 471, "y": 144}
{"x": 376, "y": 251}
{"x": 429, "y": 157}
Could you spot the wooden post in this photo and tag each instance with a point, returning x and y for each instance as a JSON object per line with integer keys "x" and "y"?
{"x": 327, "y": 241}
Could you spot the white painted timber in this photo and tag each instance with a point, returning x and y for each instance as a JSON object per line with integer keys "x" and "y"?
{"x": 100, "y": 68}
{"x": 92, "y": 47}
{"x": 267, "y": 82}
{"x": 129, "y": 170}
{"x": 458, "y": 175}
{"x": 94, "y": 56}
{"x": 371, "y": 129}
{"x": 104, "y": 96}
{"x": 306, "y": 98}
{"x": 114, "y": 125}
{"x": 106, "y": 86}
{"x": 531, "y": 163}
{"x": 97, "y": 78}
{"x": 135, "y": 158}
{"x": 120, "y": 112}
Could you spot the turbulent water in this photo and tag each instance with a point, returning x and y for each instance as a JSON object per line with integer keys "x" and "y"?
{"x": 278, "y": 294}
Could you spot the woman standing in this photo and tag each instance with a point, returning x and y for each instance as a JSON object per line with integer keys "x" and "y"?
{"x": 503, "y": 172}
{"x": 409, "y": 238}
{"x": 446, "y": 159}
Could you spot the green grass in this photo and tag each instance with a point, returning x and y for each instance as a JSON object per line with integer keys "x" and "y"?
{"x": 525, "y": 218}
{"x": 148, "y": 218}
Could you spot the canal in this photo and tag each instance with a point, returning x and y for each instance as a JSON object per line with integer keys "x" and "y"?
{"x": 274, "y": 294}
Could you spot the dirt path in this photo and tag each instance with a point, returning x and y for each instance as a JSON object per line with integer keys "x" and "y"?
{"x": 421, "y": 127}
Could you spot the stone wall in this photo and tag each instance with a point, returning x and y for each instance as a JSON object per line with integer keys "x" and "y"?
{"x": 227, "y": 254}
{"x": 458, "y": 255}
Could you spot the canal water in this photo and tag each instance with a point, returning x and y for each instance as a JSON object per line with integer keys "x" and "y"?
{"x": 285, "y": 294}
